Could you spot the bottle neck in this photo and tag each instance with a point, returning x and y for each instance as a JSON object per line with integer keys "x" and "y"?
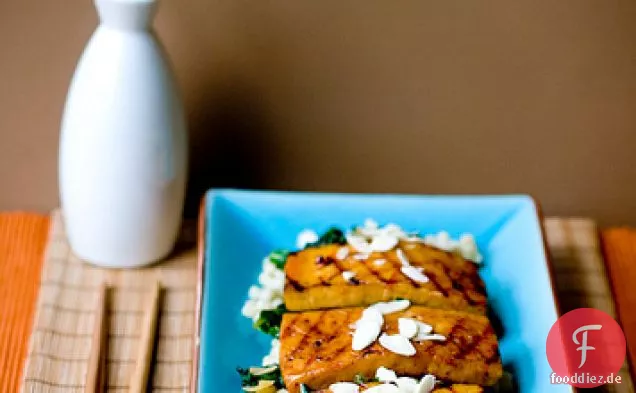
{"x": 126, "y": 14}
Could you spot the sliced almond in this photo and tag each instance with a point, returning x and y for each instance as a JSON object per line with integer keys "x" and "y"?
{"x": 305, "y": 237}
{"x": 397, "y": 344}
{"x": 393, "y": 230}
{"x": 383, "y": 243}
{"x": 373, "y": 314}
{"x": 367, "y": 331}
{"x": 361, "y": 257}
{"x": 384, "y": 374}
{"x": 407, "y": 327}
{"x": 262, "y": 370}
{"x": 348, "y": 275}
{"x": 414, "y": 273}
{"x": 407, "y": 384}
{"x": 402, "y": 257}
{"x": 344, "y": 387}
{"x": 430, "y": 337}
{"x": 430, "y": 240}
{"x": 468, "y": 248}
{"x": 391, "y": 307}
{"x": 384, "y": 388}
{"x": 379, "y": 262}
{"x": 369, "y": 314}
{"x": 359, "y": 243}
{"x": 265, "y": 383}
{"x": 423, "y": 329}
{"x": 371, "y": 223}
{"x": 369, "y": 229}
{"x": 426, "y": 385}
{"x": 444, "y": 241}
{"x": 342, "y": 253}
{"x": 466, "y": 239}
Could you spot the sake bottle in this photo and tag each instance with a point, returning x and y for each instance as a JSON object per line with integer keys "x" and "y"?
{"x": 122, "y": 158}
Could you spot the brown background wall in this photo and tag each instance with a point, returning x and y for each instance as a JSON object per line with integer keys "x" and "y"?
{"x": 368, "y": 96}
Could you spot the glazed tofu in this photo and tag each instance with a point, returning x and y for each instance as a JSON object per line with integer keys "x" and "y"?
{"x": 316, "y": 348}
{"x": 319, "y": 278}
{"x": 450, "y": 389}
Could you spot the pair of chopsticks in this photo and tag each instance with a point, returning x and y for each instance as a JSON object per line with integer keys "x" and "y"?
{"x": 96, "y": 376}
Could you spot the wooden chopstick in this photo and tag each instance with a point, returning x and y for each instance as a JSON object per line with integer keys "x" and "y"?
{"x": 96, "y": 376}
{"x": 139, "y": 380}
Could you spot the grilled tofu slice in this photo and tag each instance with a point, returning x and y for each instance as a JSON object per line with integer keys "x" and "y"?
{"x": 457, "y": 388}
{"x": 314, "y": 279}
{"x": 316, "y": 348}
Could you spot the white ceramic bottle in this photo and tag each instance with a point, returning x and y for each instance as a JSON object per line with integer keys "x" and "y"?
{"x": 122, "y": 163}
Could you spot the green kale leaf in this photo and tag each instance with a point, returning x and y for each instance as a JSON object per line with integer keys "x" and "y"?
{"x": 278, "y": 258}
{"x": 361, "y": 379}
{"x": 269, "y": 320}
{"x": 332, "y": 236}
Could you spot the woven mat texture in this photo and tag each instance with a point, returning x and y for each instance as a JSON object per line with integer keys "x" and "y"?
{"x": 61, "y": 339}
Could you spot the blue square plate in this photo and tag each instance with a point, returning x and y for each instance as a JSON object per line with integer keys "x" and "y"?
{"x": 239, "y": 228}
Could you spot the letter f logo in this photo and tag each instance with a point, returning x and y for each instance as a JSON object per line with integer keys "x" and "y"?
{"x": 583, "y": 344}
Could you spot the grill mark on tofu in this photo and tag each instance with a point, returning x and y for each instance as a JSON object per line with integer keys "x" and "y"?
{"x": 470, "y": 346}
{"x": 370, "y": 271}
{"x": 376, "y": 273}
{"x": 340, "y": 269}
{"x": 456, "y": 283}
{"x": 313, "y": 328}
{"x": 432, "y": 277}
{"x": 337, "y": 351}
{"x": 324, "y": 263}
{"x": 397, "y": 267}
{"x": 336, "y": 263}
{"x": 290, "y": 326}
{"x": 295, "y": 284}
{"x": 325, "y": 350}
{"x": 324, "y": 260}
{"x": 465, "y": 344}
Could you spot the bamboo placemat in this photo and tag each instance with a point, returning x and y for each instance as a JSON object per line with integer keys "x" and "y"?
{"x": 61, "y": 338}
{"x": 580, "y": 275}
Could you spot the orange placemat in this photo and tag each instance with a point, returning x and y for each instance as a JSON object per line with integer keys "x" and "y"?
{"x": 619, "y": 246}
{"x": 22, "y": 241}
